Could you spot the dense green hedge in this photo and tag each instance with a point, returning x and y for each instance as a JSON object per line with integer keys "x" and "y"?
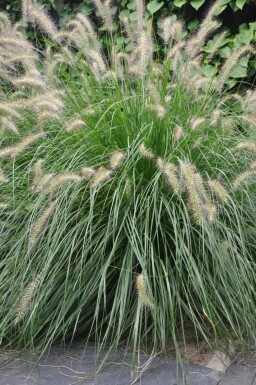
{"x": 237, "y": 19}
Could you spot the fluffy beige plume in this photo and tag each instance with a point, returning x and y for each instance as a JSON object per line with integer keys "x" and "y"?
{"x": 74, "y": 124}
{"x": 26, "y": 299}
{"x": 127, "y": 28}
{"x": 59, "y": 180}
{"x": 207, "y": 26}
{"x": 219, "y": 42}
{"x": 247, "y": 145}
{"x": 26, "y": 142}
{"x": 216, "y": 115}
{"x": 116, "y": 160}
{"x": 104, "y": 9}
{"x": 196, "y": 122}
{"x": 168, "y": 99}
{"x": 3, "y": 178}
{"x": 160, "y": 163}
{"x": 10, "y": 109}
{"x": 250, "y": 120}
{"x": 101, "y": 175}
{"x": 143, "y": 292}
{"x": 170, "y": 174}
{"x": 196, "y": 42}
{"x": 171, "y": 30}
{"x": 210, "y": 211}
{"x": 29, "y": 81}
{"x": 143, "y": 54}
{"x": 145, "y": 152}
{"x": 253, "y": 165}
{"x": 3, "y": 206}
{"x": 228, "y": 124}
{"x": 88, "y": 173}
{"x": 229, "y": 65}
{"x": 200, "y": 186}
{"x": 174, "y": 50}
{"x": 19, "y": 148}
{"x": 128, "y": 187}
{"x": 243, "y": 177}
{"x": 40, "y": 18}
{"x": 219, "y": 190}
{"x": 42, "y": 183}
{"x": 45, "y": 116}
{"x": 38, "y": 171}
{"x": 140, "y": 10}
{"x": 40, "y": 224}
{"x": 178, "y": 133}
{"x": 8, "y": 124}
{"x": 195, "y": 203}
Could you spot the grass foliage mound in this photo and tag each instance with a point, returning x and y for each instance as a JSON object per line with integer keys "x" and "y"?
{"x": 127, "y": 188}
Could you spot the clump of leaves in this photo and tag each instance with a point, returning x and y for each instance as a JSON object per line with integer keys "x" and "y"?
{"x": 122, "y": 214}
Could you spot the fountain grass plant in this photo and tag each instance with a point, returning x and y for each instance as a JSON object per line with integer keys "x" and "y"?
{"x": 127, "y": 189}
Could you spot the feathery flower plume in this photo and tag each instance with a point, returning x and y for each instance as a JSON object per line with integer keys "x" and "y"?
{"x": 250, "y": 120}
{"x": 128, "y": 187}
{"x": 219, "y": 190}
{"x": 26, "y": 299}
{"x": 29, "y": 81}
{"x": 9, "y": 125}
{"x": 229, "y": 65}
{"x": 196, "y": 42}
{"x": 146, "y": 153}
{"x": 243, "y": 177}
{"x": 253, "y": 165}
{"x": 200, "y": 186}
{"x": 207, "y": 26}
{"x": 178, "y": 133}
{"x": 143, "y": 292}
{"x": 228, "y": 124}
{"x": 210, "y": 211}
{"x": 196, "y": 122}
{"x": 172, "y": 30}
{"x": 38, "y": 170}
{"x": 9, "y": 109}
{"x": 101, "y": 175}
{"x": 3, "y": 206}
{"x": 25, "y": 143}
{"x": 116, "y": 159}
{"x": 224, "y": 249}
{"x": 175, "y": 49}
{"x": 167, "y": 99}
{"x": 39, "y": 226}
{"x": 247, "y": 145}
{"x": 61, "y": 179}
{"x": 74, "y": 124}
{"x": 46, "y": 116}
{"x": 88, "y": 173}
{"x": 43, "y": 21}
{"x": 215, "y": 117}
{"x": 128, "y": 28}
{"x": 195, "y": 203}
{"x": 160, "y": 163}
{"x": 104, "y": 10}
{"x": 219, "y": 42}
{"x": 3, "y": 178}
{"x": 144, "y": 49}
{"x": 42, "y": 183}
{"x": 170, "y": 174}
{"x": 140, "y": 9}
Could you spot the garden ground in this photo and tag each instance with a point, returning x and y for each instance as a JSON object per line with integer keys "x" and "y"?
{"x": 76, "y": 366}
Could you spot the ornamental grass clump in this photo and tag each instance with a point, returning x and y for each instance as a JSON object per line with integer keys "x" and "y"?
{"x": 121, "y": 181}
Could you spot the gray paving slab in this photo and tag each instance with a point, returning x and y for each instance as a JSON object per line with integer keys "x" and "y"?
{"x": 77, "y": 366}
{"x": 239, "y": 375}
